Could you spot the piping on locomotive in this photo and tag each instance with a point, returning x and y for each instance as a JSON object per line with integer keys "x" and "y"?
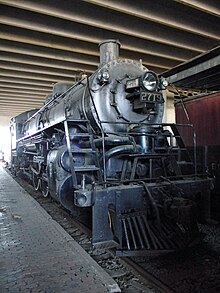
{"x": 100, "y": 145}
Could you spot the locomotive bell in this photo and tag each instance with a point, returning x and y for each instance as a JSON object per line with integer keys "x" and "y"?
{"x": 60, "y": 88}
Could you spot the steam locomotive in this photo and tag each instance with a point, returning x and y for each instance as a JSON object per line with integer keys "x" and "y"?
{"x": 100, "y": 146}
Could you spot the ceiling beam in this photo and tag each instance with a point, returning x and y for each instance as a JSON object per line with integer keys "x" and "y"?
{"x": 45, "y": 62}
{"x": 9, "y": 65}
{"x": 11, "y": 90}
{"x": 17, "y": 107}
{"x": 11, "y": 84}
{"x": 22, "y": 81}
{"x": 55, "y": 54}
{"x": 105, "y": 19}
{"x": 109, "y": 24}
{"x": 157, "y": 13}
{"x": 35, "y": 76}
{"x": 31, "y": 50}
{"x": 84, "y": 47}
{"x": 13, "y": 105}
{"x": 18, "y": 100}
{"x": 202, "y": 67}
{"x": 14, "y": 112}
{"x": 22, "y": 95}
{"x": 210, "y": 6}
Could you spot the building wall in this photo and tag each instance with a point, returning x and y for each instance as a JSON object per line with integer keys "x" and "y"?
{"x": 5, "y": 140}
{"x": 169, "y": 113}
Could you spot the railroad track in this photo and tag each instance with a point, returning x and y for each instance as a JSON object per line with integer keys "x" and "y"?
{"x": 129, "y": 273}
{"x": 146, "y": 275}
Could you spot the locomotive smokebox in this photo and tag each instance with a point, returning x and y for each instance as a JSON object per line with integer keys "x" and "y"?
{"x": 109, "y": 51}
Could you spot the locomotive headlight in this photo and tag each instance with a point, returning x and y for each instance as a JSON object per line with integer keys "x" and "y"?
{"x": 150, "y": 81}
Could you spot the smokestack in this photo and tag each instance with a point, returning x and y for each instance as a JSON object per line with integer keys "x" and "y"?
{"x": 109, "y": 51}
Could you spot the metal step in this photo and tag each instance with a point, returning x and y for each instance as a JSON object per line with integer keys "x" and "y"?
{"x": 81, "y": 135}
{"x": 77, "y": 120}
{"x": 84, "y": 151}
{"x": 86, "y": 168}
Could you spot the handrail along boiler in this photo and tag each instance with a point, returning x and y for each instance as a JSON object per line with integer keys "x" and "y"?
{"x": 99, "y": 145}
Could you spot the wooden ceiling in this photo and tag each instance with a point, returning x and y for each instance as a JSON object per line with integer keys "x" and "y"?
{"x": 46, "y": 41}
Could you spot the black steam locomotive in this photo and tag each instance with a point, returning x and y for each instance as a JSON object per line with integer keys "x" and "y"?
{"x": 99, "y": 145}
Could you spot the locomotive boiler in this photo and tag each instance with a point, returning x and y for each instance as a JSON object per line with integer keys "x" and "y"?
{"x": 99, "y": 146}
